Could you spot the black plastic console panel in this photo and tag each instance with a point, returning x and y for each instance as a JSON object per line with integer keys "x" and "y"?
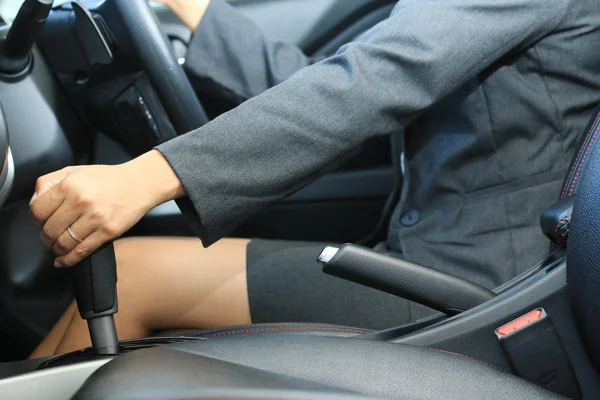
{"x": 472, "y": 332}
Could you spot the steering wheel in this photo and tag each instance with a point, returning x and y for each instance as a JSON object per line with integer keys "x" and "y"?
{"x": 154, "y": 53}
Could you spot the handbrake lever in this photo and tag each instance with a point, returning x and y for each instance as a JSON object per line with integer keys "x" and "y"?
{"x": 95, "y": 284}
{"x": 438, "y": 290}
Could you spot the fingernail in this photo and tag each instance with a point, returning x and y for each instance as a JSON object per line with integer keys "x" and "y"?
{"x": 57, "y": 264}
{"x": 35, "y": 195}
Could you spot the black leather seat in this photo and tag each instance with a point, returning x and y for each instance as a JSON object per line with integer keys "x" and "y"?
{"x": 318, "y": 360}
{"x": 326, "y": 364}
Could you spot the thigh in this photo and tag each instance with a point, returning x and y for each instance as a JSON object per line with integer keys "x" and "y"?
{"x": 286, "y": 284}
{"x": 175, "y": 282}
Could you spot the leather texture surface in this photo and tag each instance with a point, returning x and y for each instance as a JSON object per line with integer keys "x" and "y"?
{"x": 583, "y": 262}
{"x": 171, "y": 374}
{"x": 427, "y": 286}
{"x": 378, "y": 369}
{"x": 585, "y": 149}
{"x": 312, "y": 329}
{"x": 555, "y": 221}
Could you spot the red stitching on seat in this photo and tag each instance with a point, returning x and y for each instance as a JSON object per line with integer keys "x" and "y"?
{"x": 562, "y": 195}
{"x": 282, "y": 329}
{"x": 587, "y": 151}
{"x": 559, "y": 223}
{"x": 564, "y": 234}
{"x": 462, "y": 355}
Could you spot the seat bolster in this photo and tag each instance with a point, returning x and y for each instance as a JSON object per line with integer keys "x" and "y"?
{"x": 313, "y": 329}
{"x": 373, "y": 368}
{"x": 325, "y": 366}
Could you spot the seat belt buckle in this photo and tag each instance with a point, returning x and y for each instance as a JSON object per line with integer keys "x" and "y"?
{"x": 536, "y": 353}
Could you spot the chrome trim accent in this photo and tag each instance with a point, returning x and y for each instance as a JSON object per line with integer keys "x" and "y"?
{"x": 10, "y": 177}
{"x": 327, "y": 254}
{"x": 56, "y": 383}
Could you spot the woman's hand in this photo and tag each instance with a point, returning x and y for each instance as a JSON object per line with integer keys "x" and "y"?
{"x": 190, "y": 12}
{"x": 98, "y": 203}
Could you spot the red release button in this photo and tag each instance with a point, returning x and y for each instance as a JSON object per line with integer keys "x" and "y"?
{"x": 519, "y": 322}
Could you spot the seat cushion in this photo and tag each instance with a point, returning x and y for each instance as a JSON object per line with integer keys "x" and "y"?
{"x": 379, "y": 369}
{"x": 243, "y": 363}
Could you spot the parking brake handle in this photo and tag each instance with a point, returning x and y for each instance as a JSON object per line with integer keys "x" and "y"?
{"x": 95, "y": 284}
{"x": 438, "y": 290}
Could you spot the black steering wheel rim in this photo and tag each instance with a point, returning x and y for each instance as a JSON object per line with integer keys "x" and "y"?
{"x": 166, "y": 75}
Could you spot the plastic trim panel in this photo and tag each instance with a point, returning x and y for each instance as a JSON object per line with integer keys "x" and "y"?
{"x": 7, "y": 178}
{"x": 52, "y": 384}
{"x": 472, "y": 332}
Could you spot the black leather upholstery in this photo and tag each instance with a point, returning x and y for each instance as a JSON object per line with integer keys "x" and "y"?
{"x": 555, "y": 221}
{"x": 586, "y": 147}
{"x": 583, "y": 259}
{"x": 283, "y": 328}
{"x": 377, "y": 369}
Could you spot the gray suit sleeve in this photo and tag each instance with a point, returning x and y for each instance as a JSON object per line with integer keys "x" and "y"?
{"x": 281, "y": 140}
{"x": 230, "y": 57}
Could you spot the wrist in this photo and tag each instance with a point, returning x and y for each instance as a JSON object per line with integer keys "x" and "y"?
{"x": 195, "y": 18}
{"x": 155, "y": 178}
{"x": 190, "y": 12}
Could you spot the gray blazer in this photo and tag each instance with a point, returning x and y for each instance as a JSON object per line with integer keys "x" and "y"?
{"x": 493, "y": 94}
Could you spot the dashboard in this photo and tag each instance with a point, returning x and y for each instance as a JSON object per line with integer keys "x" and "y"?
{"x": 43, "y": 129}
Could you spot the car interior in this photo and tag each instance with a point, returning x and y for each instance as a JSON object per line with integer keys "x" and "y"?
{"x": 102, "y": 81}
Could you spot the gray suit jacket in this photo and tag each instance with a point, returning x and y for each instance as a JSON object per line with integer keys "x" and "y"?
{"x": 493, "y": 92}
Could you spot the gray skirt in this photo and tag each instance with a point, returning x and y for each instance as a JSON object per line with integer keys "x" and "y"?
{"x": 286, "y": 284}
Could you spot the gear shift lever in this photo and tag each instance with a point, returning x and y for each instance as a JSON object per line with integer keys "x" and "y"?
{"x": 95, "y": 284}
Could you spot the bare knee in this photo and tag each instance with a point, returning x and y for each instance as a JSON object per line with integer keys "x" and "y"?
{"x": 168, "y": 283}
{"x": 132, "y": 289}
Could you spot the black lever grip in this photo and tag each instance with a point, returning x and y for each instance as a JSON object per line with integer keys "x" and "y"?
{"x": 15, "y": 59}
{"x": 95, "y": 283}
{"x": 26, "y": 27}
{"x": 438, "y": 290}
